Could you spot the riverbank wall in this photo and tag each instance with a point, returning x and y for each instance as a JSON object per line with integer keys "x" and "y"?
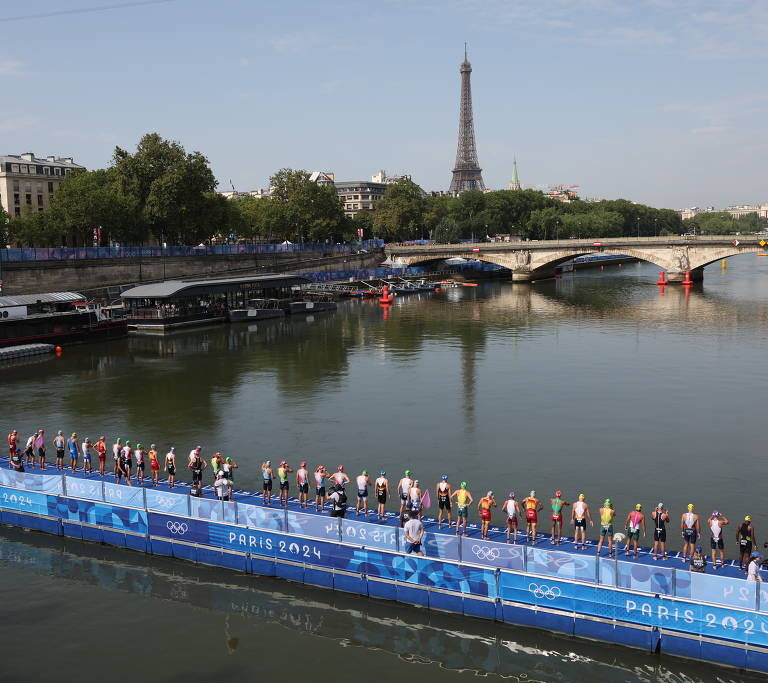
{"x": 668, "y": 609}
{"x": 26, "y": 277}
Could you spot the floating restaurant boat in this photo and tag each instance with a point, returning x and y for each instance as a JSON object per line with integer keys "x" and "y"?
{"x": 56, "y": 318}
{"x": 172, "y": 304}
{"x": 256, "y": 309}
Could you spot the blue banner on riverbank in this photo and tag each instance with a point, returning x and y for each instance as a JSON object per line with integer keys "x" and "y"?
{"x": 493, "y": 554}
{"x": 103, "y": 514}
{"x": 370, "y": 535}
{"x": 23, "y": 501}
{"x": 261, "y": 517}
{"x": 316, "y": 526}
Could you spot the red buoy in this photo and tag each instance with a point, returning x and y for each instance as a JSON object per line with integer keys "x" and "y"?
{"x": 662, "y": 278}
{"x": 58, "y": 349}
{"x": 386, "y": 297}
{"x": 687, "y": 280}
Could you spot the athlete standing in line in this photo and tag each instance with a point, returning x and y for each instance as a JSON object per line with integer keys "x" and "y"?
{"x": 282, "y": 474}
{"x": 101, "y": 450}
{"x": 716, "y": 524}
{"x": 660, "y": 517}
{"x": 13, "y": 442}
{"x": 340, "y": 476}
{"x": 139, "y": 454}
{"x": 404, "y": 486}
{"x": 689, "y": 524}
{"x": 463, "y": 501}
{"x": 267, "y": 476}
{"x": 382, "y": 491}
{"x": 443, "y": 492}
{"x": 29, "y": 450}
{"x": 60, "y": 444}
{"x": 40, "y": 448}
{"x": 74, "y": 451}
{"x": 532, "y": 507}
{"x": 415, "y": 498}
{"x": 557, "y": 517}
{"x": 363, "y": 482}
{"x": 121, "y": 468}
{"x": 580, "y": 515}
{"x": 128, "y": 455}
{"x": 154, "y": 464}
{"x": 607, "y": 513}
{"x": 512, "y": 508}
{"x": 170, "y": 466}
{"x": 117, "y": 447}
{"x": 635, "y": 520}
{"x": 302, "y": 483}
{"x": 745, "y": 537}
{"x": 320, "y": 498}
{"x": 484, "y": 508}
{"x": 87, "y": 459}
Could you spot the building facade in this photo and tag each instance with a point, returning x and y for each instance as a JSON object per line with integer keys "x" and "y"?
{"x": 359, "y": 195}
{"x": 760, "y": 210}
{"x": 27, "y": 182}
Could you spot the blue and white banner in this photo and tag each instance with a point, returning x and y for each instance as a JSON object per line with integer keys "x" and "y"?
{"x": 122, "y": 494}
{"x": 646, "y": 578}
{"x": 723, "y": 591}
{"x": 172, "y": 503}
{"x": 90, "y": 489}
{"x": 315, "y": 526}
{"x": 477, "y": 551}
{"x": 261, "y": 517}
{"x": 562, "y": 564}
{"x": 103, "y": 514}
{"x": 441, "y": 546}
{"x": 23, "y": 501}
{"x": 370, "y": 535}
{"x": 204, "y": 508}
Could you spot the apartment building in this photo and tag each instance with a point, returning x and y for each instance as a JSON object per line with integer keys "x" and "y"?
{"x": 27, "y": 182}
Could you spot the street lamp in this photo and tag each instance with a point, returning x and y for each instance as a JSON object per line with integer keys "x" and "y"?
{"x": 638, "y": 227}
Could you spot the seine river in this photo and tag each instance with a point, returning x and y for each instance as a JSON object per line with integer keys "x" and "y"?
{"x": 596, "y": 383}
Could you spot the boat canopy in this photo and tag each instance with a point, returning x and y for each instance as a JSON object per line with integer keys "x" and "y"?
{"x": 43, "y": 298}
{"x": 170, "y": 289}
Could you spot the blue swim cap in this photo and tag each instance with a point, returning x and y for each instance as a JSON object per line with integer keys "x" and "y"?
{"x": 443, "y": 477}
{"x": 382, "y": 473}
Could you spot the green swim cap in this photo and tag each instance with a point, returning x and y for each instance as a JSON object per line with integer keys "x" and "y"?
{"x": 407, "y": 473}
{"x": 463, "y": 484}
{"x": 365, "y": 471}
{"x": 607, "y": 501}
{"x": 119, "y": 440}
{"x": 127, "y": 443}
{"x": 228, "y": 460}
{"x": 138, "y": 445}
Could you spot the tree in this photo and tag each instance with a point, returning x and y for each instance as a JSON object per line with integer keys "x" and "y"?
{"x": 173, "y": 189}
{"x": 5, "y": 233}
{"x": 362, "y": 220}
{"x": 447, "y": 231}
{"x": 307, "y": 210}
{"x": 398, "y": 215}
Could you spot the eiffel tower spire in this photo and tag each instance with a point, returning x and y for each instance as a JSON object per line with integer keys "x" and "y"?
{"x": 467, "y": 174}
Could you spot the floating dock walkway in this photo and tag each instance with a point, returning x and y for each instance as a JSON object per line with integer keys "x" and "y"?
{"x": 25, "y": 350}
{"x": 655, "y": 606}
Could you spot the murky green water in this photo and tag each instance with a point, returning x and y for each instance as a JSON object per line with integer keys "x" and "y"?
{"x": 595, "y": 383}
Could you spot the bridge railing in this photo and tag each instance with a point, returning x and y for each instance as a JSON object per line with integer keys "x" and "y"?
{"x": 15, "y": 255}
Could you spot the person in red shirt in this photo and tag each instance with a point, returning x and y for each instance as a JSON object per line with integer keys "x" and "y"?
{"x": 13, "y": 439}
{"x": 101, "y": 449}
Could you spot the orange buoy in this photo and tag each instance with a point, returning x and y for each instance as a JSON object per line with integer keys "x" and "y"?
{"x": 687, "y": 280}
{"x": 386, "y": 297}
{"x": 468, "y": 284}
{"x": 58, "y": 349}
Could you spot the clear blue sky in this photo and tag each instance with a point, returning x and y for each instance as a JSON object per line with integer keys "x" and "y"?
{"x": 659, "y": 101}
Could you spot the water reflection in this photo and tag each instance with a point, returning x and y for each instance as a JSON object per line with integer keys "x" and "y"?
{"x": 437, "y": 642}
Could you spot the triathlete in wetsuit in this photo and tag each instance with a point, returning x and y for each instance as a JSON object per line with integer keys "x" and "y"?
{"x": 302, "y": 483}
{"x": 607, "y": 513}
{"x": 532, "y": 507}
{"x": 363, "y": 482}
{"x": 484, "y": 507}
{"x": 745, "y": 536}
{"x": 443, "y": 492}
{"x": 660, "y": 518}
{"x": 689, "y": 523}
{"x": 580, "y": 515}
{"x": 404, "y": 486}
{"x": 170, "y": 466}
{"x": 557, "y": 517}
{"x": 320, "y": 475}
{"x": 512, "y": 508}
{"x": 716, "y": 524}
{"x": 74, "y": 451}
{"x": 414, "y": 498}
{"x": 382, "y": 491}
{"x": 60, "y": 444}
{"x": 282, "y": 474}
{"x": 197, "y": 465}
{"x": 635, "y": 521}
{"x": 463, "y": 501}
{"x": 266, "y": 481}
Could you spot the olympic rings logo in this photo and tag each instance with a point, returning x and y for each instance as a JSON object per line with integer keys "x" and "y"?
{"x": 550, "y": 593}
{"x": 177, "y": 527}
{"x": 483, "y": 552}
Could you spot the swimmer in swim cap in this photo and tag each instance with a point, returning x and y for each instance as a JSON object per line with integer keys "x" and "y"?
{"x": 607, "y": 513}
{"x": 580, "y": 515}
{"x": 404, "y": 488}
{"x": 660, "y": 516}
{"x": 532, "y": 507}
{"x": 691, "y": 529}
{"x": 557, "y": 517}
{"x": 443, "y": 491}
{"x": 512, "y": 508}
{"x": 463, "y": 501}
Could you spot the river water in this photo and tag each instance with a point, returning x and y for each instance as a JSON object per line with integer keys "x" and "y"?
{"x": 597, "y": 383}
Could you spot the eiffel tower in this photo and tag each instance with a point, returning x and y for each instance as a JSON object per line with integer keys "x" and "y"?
{"x": 467, "y": 174}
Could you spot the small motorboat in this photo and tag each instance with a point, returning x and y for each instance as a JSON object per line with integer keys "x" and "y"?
{"x": 256, "y": 309}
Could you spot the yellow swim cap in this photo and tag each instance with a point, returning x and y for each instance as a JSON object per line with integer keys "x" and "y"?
{"x": 690, "y": 507}
{"x": 581, "y": 496}
{"x": 638, "y": 507}
{"x": 747, "y": 519}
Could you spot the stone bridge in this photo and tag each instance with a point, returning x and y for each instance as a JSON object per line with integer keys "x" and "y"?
{"x": 537, "y": 259}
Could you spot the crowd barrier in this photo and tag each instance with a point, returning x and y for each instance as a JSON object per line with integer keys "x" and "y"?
{"x": 715, "y": 618}
{"x": 86, "y": 253}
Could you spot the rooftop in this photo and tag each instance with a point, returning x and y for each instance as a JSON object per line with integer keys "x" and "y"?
{"x": 30, "y": 158}
{"x": 43, "y": 298}
{"x": 173, "y": 288}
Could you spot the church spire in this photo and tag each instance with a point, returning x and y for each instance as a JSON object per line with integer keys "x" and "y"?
{"x": 514, "y": 184}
